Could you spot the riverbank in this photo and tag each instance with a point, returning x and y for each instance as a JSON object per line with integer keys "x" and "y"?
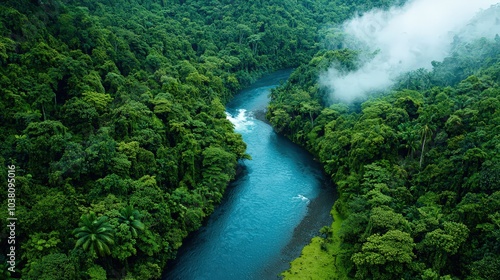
{"x": 316, "y": 217}
{"x": 316, "y": 258}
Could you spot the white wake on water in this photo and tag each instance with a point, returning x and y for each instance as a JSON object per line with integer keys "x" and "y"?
{"x": 301, "y": 197}
{"x": 242, "y": 121}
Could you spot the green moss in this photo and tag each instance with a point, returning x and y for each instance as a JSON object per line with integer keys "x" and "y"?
{"x": 318, "y": 259}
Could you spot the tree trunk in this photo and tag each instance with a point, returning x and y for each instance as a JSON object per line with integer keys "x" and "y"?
{"x": 423, "y": 147}
{"x": 43, "y": 111}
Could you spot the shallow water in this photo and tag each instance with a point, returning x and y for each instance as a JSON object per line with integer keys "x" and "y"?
{"x": 279, "y": 201}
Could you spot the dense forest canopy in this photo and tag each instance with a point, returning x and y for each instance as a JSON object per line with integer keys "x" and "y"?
{"x": 417, "y": 165}
{"x": 113, "y": 119}
{"x": 112, "y": 114}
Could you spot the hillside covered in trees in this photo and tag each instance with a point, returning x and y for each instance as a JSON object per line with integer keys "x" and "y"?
{"x": 112, "y": 113}
{"x": 417, "y": 166}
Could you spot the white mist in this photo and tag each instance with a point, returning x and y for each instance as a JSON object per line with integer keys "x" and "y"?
{"x": 403, "y": 39}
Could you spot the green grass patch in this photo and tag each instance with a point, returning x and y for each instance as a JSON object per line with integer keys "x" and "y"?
{"x": 318, "y": 258}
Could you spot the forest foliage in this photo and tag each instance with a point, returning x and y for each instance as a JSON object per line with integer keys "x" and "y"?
{"x": 113, "y": 114}
{"x": 417, "y": 166}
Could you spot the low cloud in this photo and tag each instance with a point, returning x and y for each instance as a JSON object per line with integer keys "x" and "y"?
{"x": 403, "y": 39}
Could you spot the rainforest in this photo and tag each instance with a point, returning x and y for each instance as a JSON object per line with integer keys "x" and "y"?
{"x": 116, "y": 142}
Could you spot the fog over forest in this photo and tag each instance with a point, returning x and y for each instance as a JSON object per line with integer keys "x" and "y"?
{"x": 403, "y": 39}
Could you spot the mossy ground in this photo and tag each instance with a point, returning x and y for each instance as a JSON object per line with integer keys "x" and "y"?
{"x": 318, "y": 260}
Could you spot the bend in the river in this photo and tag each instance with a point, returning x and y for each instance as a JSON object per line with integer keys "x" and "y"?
{"x": 269, "y": 212}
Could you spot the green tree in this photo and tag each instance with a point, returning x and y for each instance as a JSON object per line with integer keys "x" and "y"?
{"x": 94, "y": 235}
{"x": 385, "y": 256}
{"x": 55, "y": 266}
{"x": 131, "y": 217}
{"x": 441, "y": 244}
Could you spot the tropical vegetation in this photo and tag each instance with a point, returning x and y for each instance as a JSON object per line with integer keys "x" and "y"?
{"x": 113, "y": 114}
{"x": 416, "y": 166}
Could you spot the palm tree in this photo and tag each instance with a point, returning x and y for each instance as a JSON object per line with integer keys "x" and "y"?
{"x": 94, "y": 234}
{"x": 131, "y": 217}
{"x": 409, "y": 139}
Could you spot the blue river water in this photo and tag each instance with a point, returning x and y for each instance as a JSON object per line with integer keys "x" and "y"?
{"x": 278, "y": 202}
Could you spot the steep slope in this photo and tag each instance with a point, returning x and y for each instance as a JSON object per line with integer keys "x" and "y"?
{"x": 416, "y": 167}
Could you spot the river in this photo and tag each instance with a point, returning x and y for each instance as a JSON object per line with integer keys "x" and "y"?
{"x": 277, "y": 203}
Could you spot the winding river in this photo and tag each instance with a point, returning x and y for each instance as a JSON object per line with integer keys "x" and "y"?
{"x": 278, "y": 202}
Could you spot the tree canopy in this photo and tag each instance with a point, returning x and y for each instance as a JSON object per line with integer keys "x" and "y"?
{"x": 415, "y": 166}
